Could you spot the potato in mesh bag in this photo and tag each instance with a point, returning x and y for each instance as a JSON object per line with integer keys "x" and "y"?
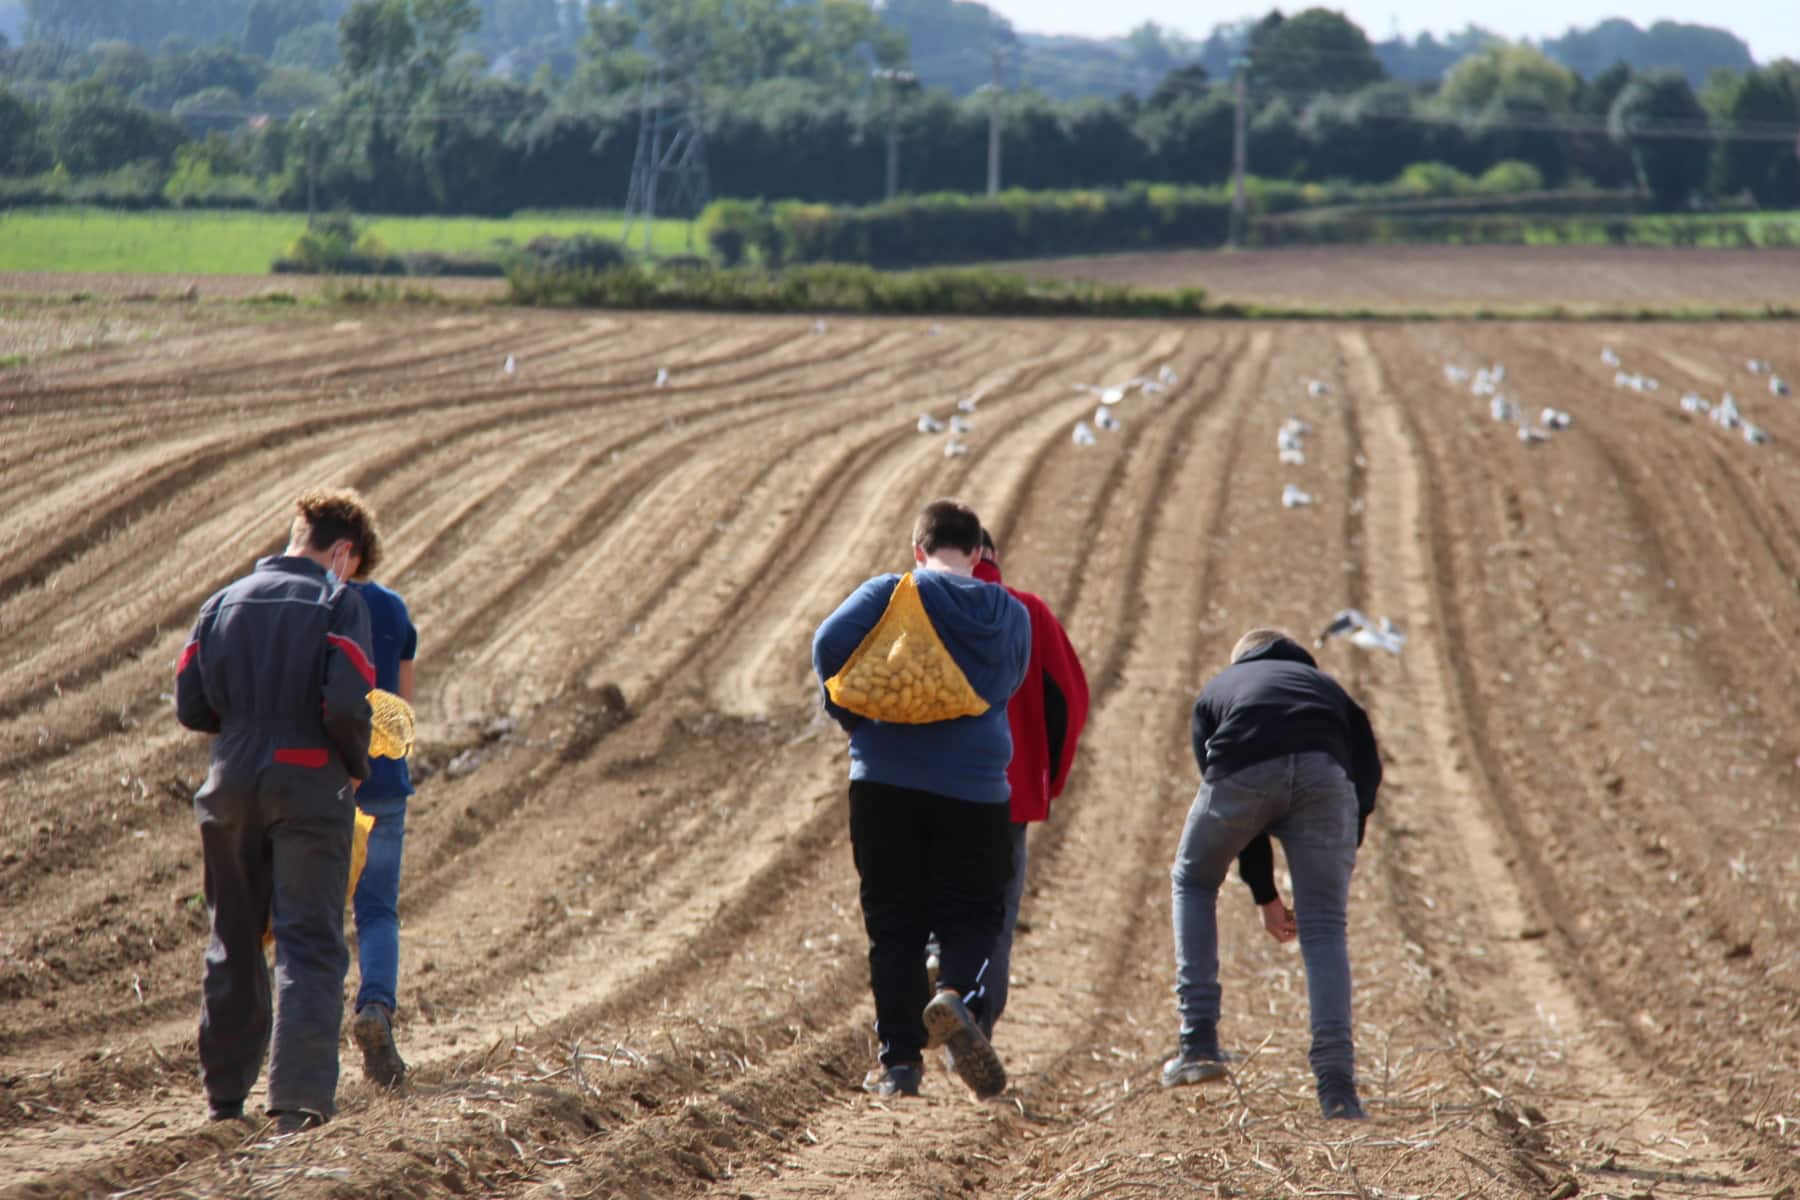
{"x": 902, "y": 673}
{"x": 391, "y": 727}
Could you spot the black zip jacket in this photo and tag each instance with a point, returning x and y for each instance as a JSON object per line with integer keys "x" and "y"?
{"x": 1273, "y": 702}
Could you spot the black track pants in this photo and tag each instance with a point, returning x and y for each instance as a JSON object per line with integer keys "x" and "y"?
{"x": 928, "y": 863}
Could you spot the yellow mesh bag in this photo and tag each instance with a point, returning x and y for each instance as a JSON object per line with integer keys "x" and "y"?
{"x": 901, "y": 672}
{"x": 391, "y": 729}
{"x": 359, "y": 856}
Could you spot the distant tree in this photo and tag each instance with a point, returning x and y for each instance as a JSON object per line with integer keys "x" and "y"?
{"x": 1425, "y": 59}
{"x": 209, "y": 110}
{"x": 22, "y": 148}
{"x": 1190, "y": 140}
{"x": 1694, "y": 50}
{"x": 288, "y": 90}
{"x": 1189, "y": 82}
{"x": 1313, "y": 51}
{"x": 94, "y": 128}
{"x": 266, "y": 22}
{"x": 1659, "y": 120}
{"x": 950, "y": 42}
{"x": 1513, "y": 73}
{"x": 1276, "y": 150}
{"x": 1756, "y": 151}
{"x": 311, "y": 47}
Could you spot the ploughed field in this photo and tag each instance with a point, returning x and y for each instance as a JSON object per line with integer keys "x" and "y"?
{"x": 632, "y": 961}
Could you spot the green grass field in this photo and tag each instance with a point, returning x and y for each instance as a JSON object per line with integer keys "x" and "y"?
{"x": 178, "y": 242}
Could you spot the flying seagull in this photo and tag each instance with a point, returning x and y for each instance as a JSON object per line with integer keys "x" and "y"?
{"x": 1370, "y": 637}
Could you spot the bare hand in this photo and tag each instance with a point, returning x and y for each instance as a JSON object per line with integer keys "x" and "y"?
{"x": 1278, "y": 919}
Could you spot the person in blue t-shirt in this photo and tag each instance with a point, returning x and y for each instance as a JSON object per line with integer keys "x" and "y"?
{"x": 383, "y": 796}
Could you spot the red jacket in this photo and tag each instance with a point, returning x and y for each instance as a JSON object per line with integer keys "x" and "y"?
{"x": 1048, "y": 711}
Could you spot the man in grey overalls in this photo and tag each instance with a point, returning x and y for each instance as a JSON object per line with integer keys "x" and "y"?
{"x": 279, "y": 669}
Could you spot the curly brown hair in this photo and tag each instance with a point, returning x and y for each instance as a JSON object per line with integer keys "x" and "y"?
{"x": 333, "y": 514}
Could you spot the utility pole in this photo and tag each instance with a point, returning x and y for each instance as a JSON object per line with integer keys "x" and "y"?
{"x": 896, "y": 79}
{"x": 1240, "y": 150}
{"x": 993, "y": 179}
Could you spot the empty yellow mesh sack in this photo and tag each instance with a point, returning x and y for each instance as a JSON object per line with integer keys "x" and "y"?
{"x": 359, "y": 855}
{"x": 391, "y": 727}
{"x": 901, "y": 672}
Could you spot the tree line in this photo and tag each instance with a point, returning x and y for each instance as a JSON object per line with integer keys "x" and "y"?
{"x": 395, "y": 105}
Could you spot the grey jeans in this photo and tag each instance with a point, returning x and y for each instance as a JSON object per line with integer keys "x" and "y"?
{"x": 1309, "y": 803}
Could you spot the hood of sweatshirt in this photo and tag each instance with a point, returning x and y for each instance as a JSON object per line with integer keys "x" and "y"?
{"x": 1280, "y": 650}
{"x": 975, "y": 621}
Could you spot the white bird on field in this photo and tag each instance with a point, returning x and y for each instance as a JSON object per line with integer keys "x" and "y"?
{"x": 1501, "y": 409}
{"x": 819, "y": 327}
{"x": 1498, "y": 372}
{"x": 1153, "y": 387}
{"x": 1317, "y": 388}
{"x": 1104, "y": 419}
{"x": 1609, "y": 356}
{"x": 1484, "y": 384}
{"x": 1286, "y": 439}
{"x": 1555, "y": 418}
{"x": 662, "y": 377}
{"x": 1694, "y": 403}
{"x": 1725, "y": 413}
{"x": 1531, "y": 436}
{"x": 967, "y": 404}
{"x": 930, "y": 424}
{"x": 1753, "y": 434}
{"x": 955, "y": 449}
{"x": 510, "y": 365}
{"x": 1297, "y": 427}
{"x": 960, "y": 424}
{"x": 935, "y": 330}
{"x": 1166, "y": 375}
{"x": 1382, "y": 636}
{"x": 1455, "y": 374}
{"x": 1293, "y": 497}
{"x": 1084, "y": 434}
{"x": 1111, "y": 394}
{"x": 1777, "y": 386}
{"x": 1758, "y": 366}
{"x": 1293, "y": 457}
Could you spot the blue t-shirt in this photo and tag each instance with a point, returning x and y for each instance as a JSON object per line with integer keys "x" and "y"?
{"x": 395, "y": 641}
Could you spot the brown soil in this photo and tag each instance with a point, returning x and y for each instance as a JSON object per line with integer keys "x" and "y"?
{"x": 1458, "y": 277}
{"x": 632, "y": 958}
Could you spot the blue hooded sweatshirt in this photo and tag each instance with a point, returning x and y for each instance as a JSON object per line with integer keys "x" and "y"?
{"x": 988, "y": 633}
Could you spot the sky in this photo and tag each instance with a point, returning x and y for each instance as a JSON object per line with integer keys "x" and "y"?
{"x": 1769, "y": 26}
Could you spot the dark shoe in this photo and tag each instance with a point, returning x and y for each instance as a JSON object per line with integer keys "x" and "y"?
{"x": 1338, "y": 1100}
{"x": 1199, "y": 1060}
{"x": 373, "y": 1030}
{"x": 297, "y": 1120}
{"x": 225, "y": 1110}
{"x": 949, "y": 1024}
{"x": 901, "y": 1079}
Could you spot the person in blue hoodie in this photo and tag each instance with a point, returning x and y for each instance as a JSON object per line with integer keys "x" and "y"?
{"x": 930, "y": 826}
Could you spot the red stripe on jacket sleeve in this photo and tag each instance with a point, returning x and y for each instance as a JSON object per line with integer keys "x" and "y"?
{"x": 354, "y": 653}
{"x": 188, "y": 652}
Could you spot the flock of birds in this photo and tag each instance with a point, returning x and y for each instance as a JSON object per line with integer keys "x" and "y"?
{"x": 961, "y": 423}
{"x": 1724, "y": 414}
{"x": 1487, "y": 382}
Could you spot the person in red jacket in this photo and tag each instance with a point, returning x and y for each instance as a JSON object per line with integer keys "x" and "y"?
{"x": 1047, "y": 715}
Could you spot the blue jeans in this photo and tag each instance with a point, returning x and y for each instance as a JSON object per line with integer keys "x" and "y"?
{"x": 376, "y": 905}
{"x": 1309, "y": 803}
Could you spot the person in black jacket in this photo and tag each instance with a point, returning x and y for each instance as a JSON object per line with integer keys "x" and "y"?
{"x": 278, "y": 671}
{"x": 1282, "y": 750}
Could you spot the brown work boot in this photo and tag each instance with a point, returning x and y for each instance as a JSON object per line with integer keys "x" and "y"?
{"x": 373, "y": 1030}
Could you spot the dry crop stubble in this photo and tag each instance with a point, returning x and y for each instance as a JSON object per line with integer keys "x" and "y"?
{"x": 633, "y": 949}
